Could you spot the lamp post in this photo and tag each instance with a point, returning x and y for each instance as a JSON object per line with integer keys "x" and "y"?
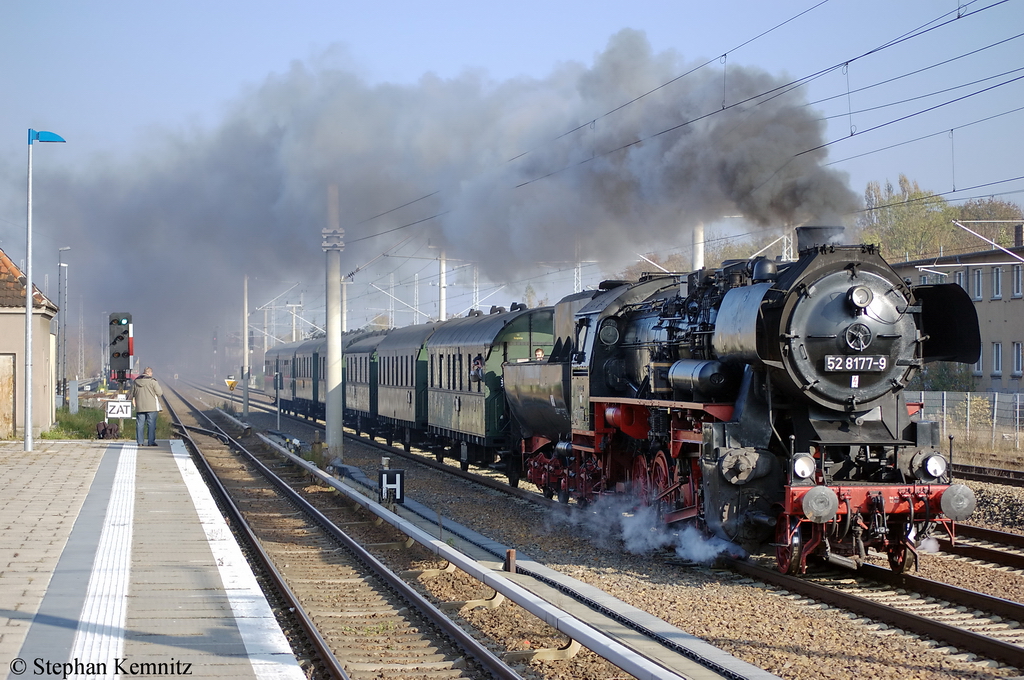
{"x": 33, "y": 136}
{"x": 64, "y": 339}
{"x": 60, "y": 265}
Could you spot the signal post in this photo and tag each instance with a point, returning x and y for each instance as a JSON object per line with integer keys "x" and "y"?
{"x": 121, "y": 347}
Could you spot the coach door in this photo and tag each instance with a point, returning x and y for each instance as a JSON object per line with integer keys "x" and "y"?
{"x": 6, "y": 396}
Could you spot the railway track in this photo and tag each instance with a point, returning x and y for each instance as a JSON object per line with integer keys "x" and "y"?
{"x": 363, "y": 620}
{"x": 935, "y": 611}
{"x": 968, "y": 622}
{"x": 997, "y": 548}
{"x": 656, "y": 649}
{"x": 989, "y": 474}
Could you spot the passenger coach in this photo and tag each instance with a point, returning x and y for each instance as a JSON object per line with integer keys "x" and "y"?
{"x": 466, "y": 402}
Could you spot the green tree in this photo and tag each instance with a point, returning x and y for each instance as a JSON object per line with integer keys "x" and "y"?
{"x": 990, "y": 217}
{"x": 906, "y": 221}
{"x": 909, "y": 221}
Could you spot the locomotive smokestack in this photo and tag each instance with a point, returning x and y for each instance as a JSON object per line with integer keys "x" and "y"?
{"x": 698, "y": 247}
{"x": 809, "y": 237}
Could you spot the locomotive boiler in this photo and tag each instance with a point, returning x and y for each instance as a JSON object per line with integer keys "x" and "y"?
{"x": 762, "y": 401}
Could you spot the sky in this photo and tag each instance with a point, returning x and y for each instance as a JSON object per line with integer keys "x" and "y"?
{"x": 521, "y": 138}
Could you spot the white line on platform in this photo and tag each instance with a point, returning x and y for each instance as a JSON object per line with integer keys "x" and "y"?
{"x": 269, "y": 652}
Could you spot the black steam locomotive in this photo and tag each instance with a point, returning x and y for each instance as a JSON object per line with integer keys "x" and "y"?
{"x": 762, "y": 401}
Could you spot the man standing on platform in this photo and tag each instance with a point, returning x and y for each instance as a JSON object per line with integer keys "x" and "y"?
{"x": 146, "y": 393}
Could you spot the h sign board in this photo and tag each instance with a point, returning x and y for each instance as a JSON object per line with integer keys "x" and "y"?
{"x": 119, "y": 409}
{"x": 392, "y": 485}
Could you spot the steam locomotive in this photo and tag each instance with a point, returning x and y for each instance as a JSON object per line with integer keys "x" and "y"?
{"x": 762, "y": 401}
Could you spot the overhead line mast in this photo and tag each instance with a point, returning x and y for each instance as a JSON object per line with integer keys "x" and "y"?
{"x": 334, "y": 404}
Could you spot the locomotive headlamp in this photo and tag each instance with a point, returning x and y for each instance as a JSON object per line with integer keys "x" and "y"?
{"x": 803, "y": 465}
{"x": 935, "y": 466}
{"x": 609, "y": 331}
{"x": 929, "y": 465}
{"x": 860, "y": 296}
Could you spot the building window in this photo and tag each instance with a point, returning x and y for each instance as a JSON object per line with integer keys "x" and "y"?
{"x": 980, "y": 366}
{"x": 977, "y": 284}
{"x": 1018, "y": 280}
{"x": 997, "y": 358}
{"x": 961, "y": 279}
{"x": 924, "y": 279}
{"x": 997, "y": 283}
{"x": 1018, "y": 359}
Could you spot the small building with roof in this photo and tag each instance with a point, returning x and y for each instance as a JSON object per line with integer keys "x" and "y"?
{"x": 12, "y": 355}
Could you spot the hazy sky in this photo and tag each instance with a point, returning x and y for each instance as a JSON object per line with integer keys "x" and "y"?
{"x": 202, "y": 136}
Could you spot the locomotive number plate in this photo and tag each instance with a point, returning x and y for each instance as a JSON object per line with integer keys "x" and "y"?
{"x": 867, "y": 363}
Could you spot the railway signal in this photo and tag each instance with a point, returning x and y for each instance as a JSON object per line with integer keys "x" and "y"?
{"x": 121, "y": 346}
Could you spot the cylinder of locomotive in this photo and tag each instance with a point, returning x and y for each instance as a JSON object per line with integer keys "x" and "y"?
{"x": 703, "y": 378}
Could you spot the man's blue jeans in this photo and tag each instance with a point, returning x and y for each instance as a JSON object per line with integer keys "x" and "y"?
{"x": 141, "y": 418}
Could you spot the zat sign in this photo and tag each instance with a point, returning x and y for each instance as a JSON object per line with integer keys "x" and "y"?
{"x": 119, "y": 409}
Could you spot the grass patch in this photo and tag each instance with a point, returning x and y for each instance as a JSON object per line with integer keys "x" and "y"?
{"x": 82, "y": 425}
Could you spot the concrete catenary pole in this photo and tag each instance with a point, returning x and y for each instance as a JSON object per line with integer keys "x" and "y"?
{"x": 245, "y": 348}
{"x": 333, "y": 245}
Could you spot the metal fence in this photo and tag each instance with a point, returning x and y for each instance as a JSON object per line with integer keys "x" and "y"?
{"x": 975, "y": 418}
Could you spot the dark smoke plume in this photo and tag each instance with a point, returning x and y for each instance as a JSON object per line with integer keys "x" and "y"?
{"x": 170, "y": 235}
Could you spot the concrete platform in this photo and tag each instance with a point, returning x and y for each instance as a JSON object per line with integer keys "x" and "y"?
{"x": 114, "y": 561}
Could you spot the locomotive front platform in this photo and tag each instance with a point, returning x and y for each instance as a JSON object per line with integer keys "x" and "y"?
{"x": 114, "y": 560}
